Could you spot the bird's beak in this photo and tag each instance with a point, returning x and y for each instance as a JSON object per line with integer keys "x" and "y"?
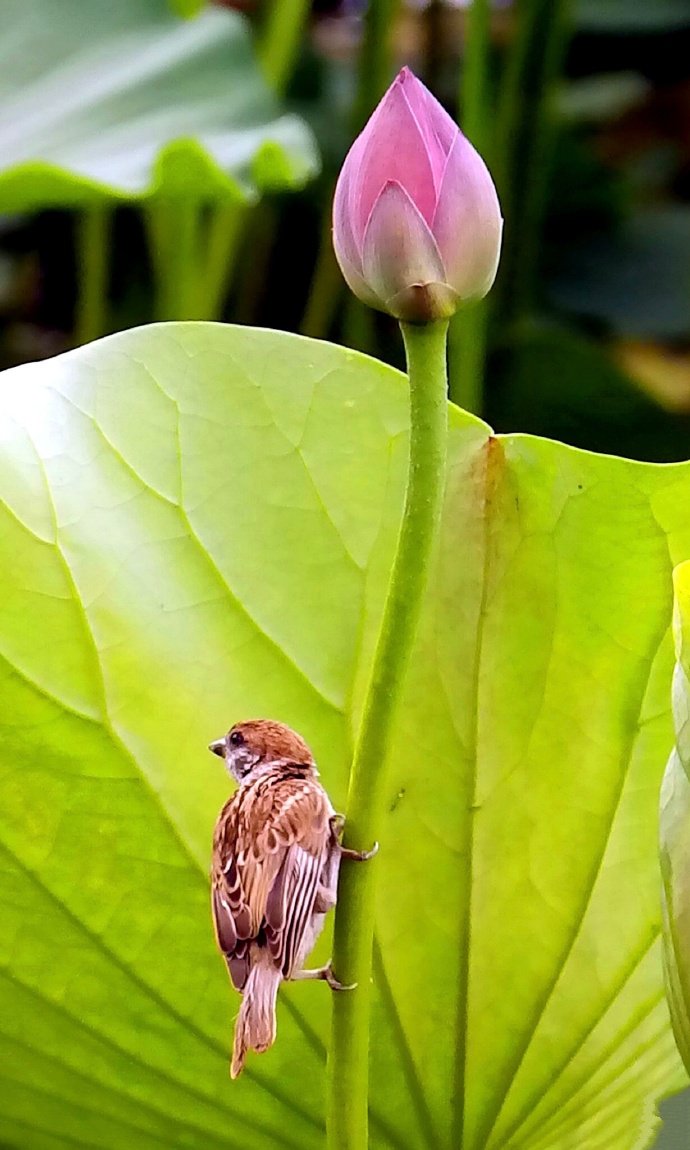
{"x": 218, "y": 747}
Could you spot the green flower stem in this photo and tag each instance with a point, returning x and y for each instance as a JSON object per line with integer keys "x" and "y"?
{"x": 469, "y": 328}
{"x": 474, "y": 78}
{"x": 93, "y": 245}
{"x": 425, "y": 347}
{"x": 174, "y": 239}
{"x": 524, "y": 144}
{"x": 359, "y": 331}
{"x": 375, "y": 63}
{"x": 280, "y": 40}
{"x": 467, "y": 356}
{"x": 223, "y": 237}
{"x": 277, "y": 48}
{"x": 326, "y": 287}
{"x": 374, "y": 74}
{"x": 257, "y": 245}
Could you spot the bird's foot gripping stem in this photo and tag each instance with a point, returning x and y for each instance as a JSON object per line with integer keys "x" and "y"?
{"x": 325, "y": 973}
{"x": 337, "y": 826}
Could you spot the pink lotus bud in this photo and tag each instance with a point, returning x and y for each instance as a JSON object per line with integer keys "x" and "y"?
{"x": 416, "y": 219}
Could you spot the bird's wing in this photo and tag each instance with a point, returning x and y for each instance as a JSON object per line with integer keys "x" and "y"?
{"x": 271, "y": 841}
{"x": 231, "y": 912}
{"x": 304, "y": 826}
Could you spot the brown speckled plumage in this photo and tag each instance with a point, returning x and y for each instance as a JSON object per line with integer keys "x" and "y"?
{"x": 276, "y": 855}
{"x": 272, "y": 836}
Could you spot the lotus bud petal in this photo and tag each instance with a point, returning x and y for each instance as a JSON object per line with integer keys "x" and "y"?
{"x": 416, "y": 219}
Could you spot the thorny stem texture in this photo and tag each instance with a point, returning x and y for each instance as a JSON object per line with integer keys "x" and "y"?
{"x": 425, "y": 348}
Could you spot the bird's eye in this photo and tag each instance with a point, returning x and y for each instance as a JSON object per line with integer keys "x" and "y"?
{"x": 236, "y": 739}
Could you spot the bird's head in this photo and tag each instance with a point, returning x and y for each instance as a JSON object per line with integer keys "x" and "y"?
{"x": 253, "y": 747}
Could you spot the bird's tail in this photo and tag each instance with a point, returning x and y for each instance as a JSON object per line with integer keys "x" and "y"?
{"x": 255, "y": 1028}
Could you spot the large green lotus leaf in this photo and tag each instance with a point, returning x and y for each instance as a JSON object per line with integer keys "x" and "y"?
{"x": 124, "y": 100}
{"x": 197, "y": 526}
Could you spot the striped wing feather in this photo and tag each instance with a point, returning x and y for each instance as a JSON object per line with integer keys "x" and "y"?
{"x": 270, "y": 844}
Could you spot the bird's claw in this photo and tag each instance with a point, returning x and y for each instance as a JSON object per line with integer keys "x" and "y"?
{"x": 334, "y": 983}
{"x": 325, "y": 973}
{"x": 337, "y": 827}
{"x": 359, "y": 856}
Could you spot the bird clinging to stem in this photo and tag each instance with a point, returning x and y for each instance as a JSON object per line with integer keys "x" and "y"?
{"x": 276, "y": 857}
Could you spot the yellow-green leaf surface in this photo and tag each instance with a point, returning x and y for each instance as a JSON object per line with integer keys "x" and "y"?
{"x": 675, "y": 827}
{"x": 197, "y": 526}
{"x": 123, "y": 100}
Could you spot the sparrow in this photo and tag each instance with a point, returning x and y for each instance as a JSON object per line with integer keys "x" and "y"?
{"x": 274, "y": 876}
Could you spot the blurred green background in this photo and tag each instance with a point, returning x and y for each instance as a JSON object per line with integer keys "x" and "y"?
{"x": 157, "y": 167}
{"x": 149, "y": 170}
{"x": 176, "y": 160}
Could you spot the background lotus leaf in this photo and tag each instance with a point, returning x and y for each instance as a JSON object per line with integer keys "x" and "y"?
{"x": 126, "y": 100}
